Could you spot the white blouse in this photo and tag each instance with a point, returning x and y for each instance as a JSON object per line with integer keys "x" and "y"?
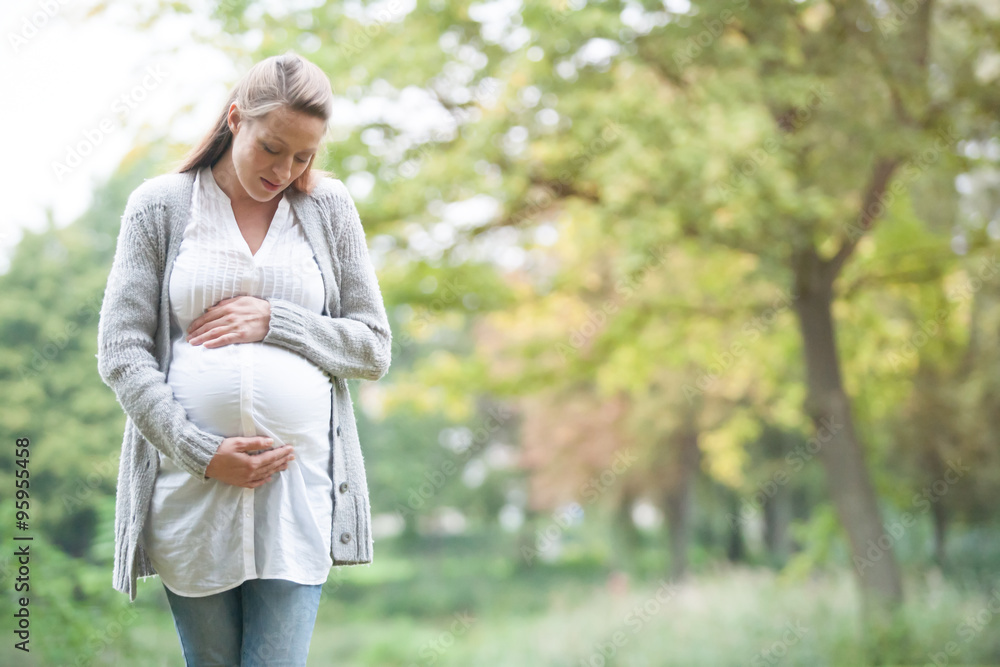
{"x": 205, "y": 537}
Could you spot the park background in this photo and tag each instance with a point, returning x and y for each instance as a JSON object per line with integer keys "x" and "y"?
{"x": 695, "y": 309}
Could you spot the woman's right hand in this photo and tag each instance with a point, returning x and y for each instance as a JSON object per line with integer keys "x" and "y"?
{"x": 233, "y": 465}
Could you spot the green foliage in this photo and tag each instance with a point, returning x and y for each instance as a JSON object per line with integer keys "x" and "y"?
{"x": 661, "y": 198}
{"x": 54, "y": 397}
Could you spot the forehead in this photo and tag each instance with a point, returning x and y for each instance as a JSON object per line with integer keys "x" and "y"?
{"x": 293, "y": 128}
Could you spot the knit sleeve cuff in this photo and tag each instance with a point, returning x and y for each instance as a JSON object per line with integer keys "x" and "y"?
{"x": 288, "y": 327}
{"x": 197, "y": 451}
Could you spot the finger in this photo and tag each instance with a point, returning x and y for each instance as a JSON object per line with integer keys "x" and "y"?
{"x": 250, "y": 444}
{"x": 276, "y": 465}
{"x": 257, "y": 441}
{"x": 261, "y": 482}
{"x": 221, "y": 340}
{"x": 285, "y": 462}
{"x": 276, "y": 452}
{"x": 276, "y": 457}
{"x": 204, "y": 321}
{"x": 266, "y": 472}
{"x": 212, "y": 330}
{"x": 199, "y": 322}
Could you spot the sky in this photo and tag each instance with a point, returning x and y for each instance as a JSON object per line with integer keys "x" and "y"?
{"x": 81, "y": 92}
{"x": 85, "y": 90}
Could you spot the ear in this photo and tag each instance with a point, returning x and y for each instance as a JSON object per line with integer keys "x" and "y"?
{"x": 234, "y": 117}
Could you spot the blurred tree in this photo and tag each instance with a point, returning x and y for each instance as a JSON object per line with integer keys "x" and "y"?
{"x": 53, "y": 395}
{"x": 766, "y": 143}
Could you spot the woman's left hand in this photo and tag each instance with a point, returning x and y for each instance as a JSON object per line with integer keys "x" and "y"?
{"x": 238, "y": 319}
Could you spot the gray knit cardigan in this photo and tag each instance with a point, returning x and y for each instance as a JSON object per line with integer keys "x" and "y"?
{"x": 350, "y": 339}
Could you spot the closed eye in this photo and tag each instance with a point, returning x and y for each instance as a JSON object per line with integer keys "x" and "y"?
{"x": 276, "y": 152}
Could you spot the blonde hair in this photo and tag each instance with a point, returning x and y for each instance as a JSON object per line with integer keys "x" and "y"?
{"x": 283, "y": 81}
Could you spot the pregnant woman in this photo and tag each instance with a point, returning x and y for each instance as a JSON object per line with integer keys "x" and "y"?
{"x": 240, "y": 300}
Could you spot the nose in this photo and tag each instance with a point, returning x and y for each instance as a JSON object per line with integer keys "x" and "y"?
{"x": 283, "y": 171}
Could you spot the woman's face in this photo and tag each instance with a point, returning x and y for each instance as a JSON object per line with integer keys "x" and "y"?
{"x": 269, "y": 153}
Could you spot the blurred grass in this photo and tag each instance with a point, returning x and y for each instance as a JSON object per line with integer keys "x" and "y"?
{"x": 468, "y": 600}
{"x": 722, "y": 616}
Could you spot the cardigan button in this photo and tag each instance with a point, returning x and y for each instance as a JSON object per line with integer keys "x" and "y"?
{"x": 345, "y": 537}
{"x": 338, "y": 429}
{"x": 343, "y": 487}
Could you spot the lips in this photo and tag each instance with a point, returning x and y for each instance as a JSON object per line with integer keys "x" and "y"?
{"x": 269, "y": 185}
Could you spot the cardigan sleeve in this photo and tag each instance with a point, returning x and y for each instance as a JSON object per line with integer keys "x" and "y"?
{"x": 126, "y": 357}
{"x": 359, "y": 343}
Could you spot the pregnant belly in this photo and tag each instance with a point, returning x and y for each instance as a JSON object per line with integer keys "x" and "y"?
{"x": 251, "y": 389}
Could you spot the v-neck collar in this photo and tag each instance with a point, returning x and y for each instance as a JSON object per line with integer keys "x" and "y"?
{"x": 274, "y": 229}
{"x": 309, "y": 213}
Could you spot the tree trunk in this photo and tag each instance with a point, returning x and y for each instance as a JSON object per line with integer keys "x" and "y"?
{"x": 628, "y": 538}
{"x": 838, "y": 448}
{"x": 777, "y": 516}
{"x": 940, "y": 518}
{"x": 777, "y": 506}
{"x": 677, "y": 500}
{"x": 736, "y": 550}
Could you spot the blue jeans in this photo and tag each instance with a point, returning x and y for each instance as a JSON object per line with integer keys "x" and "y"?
{"x": 260, "y": 623}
